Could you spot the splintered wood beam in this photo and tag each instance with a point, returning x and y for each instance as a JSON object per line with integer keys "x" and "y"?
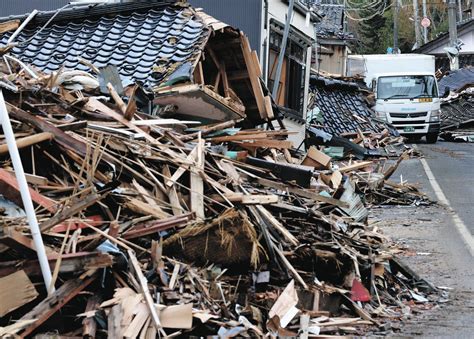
{"x": 148, "y": 228}
{"x": 89, "y": 325}
{"x": 253, "y": 75}
{"x": 9, "y": 189}
{"x": 69, "y": 211}
{"x": 70, "y": 263}
{"x": 268, "y": 106}
{"x": 183, "y": 168}
{"x": 217, "y": 82}
{"x": 14, "y": 239}
{"x": 199, "y": 74}
{"x": 144, "y": 289}
{"x": 28, "y": 141}
{"x": 172, "y": 194}
{"x": 118, "y": 100}
{"x": 45, "y": 309}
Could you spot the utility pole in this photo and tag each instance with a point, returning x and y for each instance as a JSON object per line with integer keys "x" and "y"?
{"x": 453, "y": 34}
{"x": 396, "y": 11}
{"x": 417, "y": 23}
{"x": 460, "y": 10}
{"x": 425, "y": 29}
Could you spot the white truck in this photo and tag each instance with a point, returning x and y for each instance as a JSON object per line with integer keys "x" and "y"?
{"x": 406, "y": 91}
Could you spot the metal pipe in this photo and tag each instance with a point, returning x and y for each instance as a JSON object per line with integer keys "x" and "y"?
{"x": 25, "y": 194}
{"x": 281, "y": 56}
{"x": 24, "y": 23}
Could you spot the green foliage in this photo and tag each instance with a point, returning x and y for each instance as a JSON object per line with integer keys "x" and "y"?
{"x": 373, "y": 26}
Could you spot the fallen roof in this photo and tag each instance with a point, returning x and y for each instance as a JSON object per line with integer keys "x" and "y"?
{"x": 144, "y": 41}
{"x": 458, "y": 112}
{"x": 150, "y": 43}
{"x": 343, "y": 106}
{"x": 457, "y": 80}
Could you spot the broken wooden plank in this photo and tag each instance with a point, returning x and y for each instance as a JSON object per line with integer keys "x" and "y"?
{"x": 89, "y": 325}
{"x": 316, "y": 159}
{"x": 253, "y": 75}
{"x": 70, "y": 263}
{"x": 28, "y": 141}
{"x": 355, "y": 166}
{"x": 144, "y": 289}
{"x": 8, "y": 26}
{"x": 118, "y": 100}
{"x": 247, "y": 199}
{"x": 157, "y": 226}
{"x": 16, "y": 290}
{"x": 9, "y": 189}
{"x": 15, "y": 239}
{"x": 69, "y": 211}
{"x": 45, "y": 309}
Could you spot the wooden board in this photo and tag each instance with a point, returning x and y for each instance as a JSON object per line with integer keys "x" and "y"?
{"x": 9, "y": 26}
{"x": 253, "y": 75}
{"x": 9, "y": 189}
{"x": 16, "y": 290}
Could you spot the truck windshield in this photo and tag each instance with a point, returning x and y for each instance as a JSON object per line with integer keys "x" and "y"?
{"x": 407, "y": 87}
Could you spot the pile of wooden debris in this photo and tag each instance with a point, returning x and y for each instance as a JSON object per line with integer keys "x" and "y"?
{"x": 163, "y": 227}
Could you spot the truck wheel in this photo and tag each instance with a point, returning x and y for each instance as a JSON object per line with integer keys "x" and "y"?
{"x": 431, "y": 138}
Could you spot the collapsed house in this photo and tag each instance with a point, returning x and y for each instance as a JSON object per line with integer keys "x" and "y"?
{"x": 156, "y": 224}
{"x": 457, "y": 108}
{"x": 167, "y": 48}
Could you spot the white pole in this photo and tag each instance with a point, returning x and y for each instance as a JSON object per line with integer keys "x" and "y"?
{"x": 19, "y": 29}
{"x": 25, "y": 194}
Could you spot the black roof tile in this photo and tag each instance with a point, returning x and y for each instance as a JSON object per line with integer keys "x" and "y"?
{"x": 131, "y": 37}
{"x": 339, "y": 101}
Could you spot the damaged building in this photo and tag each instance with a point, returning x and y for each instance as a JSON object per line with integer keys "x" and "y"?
{"x": 194, "y": 66}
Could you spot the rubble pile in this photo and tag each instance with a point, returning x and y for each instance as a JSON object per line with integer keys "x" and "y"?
{"x": 458, "y": 106}
{"x": 160, "y": 226}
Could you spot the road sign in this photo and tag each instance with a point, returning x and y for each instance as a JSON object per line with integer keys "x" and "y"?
{"x": 425, "y": 22}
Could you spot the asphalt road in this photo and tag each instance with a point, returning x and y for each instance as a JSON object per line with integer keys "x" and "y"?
{"x": 441, "y": 254}
{"x": 453, "y": 167}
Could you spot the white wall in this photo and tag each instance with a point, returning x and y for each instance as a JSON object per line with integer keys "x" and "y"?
{"x": 277, "y": 9}
{"x": 468, "y": 47}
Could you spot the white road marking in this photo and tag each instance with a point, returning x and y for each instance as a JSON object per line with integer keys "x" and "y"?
{"x": 466, "y": 235}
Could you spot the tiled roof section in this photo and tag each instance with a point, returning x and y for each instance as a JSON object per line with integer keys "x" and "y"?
{"x": 457, "y": 111}
{"x": 343, "y": 107}
{"x": 332, "y": 23}
{"x": 146, "y": 44}
{"x": 457, "y": 80}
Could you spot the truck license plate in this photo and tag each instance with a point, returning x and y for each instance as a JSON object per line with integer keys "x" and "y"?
{"x": 408, "y": 129}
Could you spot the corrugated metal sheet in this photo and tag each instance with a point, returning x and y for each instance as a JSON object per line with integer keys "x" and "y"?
{"x": 18, "y": 7}
{"x": 245, "y": 15}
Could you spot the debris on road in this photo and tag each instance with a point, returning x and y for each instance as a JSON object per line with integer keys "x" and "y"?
{"x": 189, "y": 219}
{"x": 161, "y": 226}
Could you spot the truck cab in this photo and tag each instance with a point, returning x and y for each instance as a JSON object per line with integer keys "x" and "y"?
{"x": 406, "y": 91}
{"x": 410, "y": 102}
